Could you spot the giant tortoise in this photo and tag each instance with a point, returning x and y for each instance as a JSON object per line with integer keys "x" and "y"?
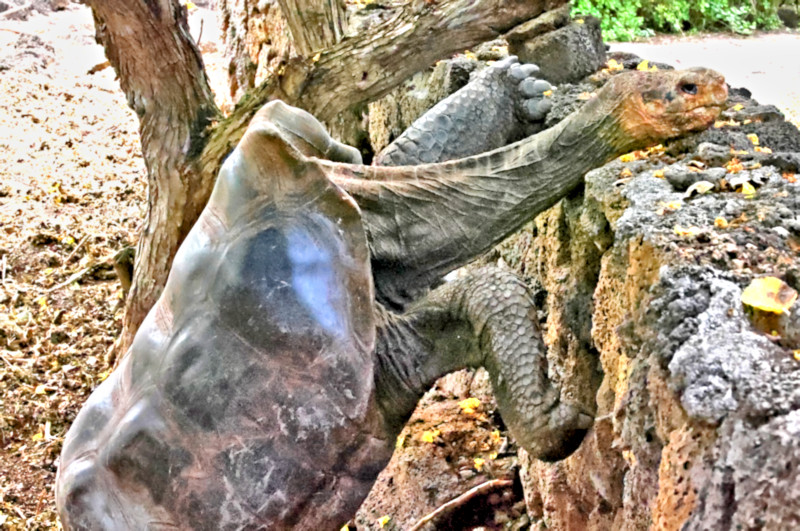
{"x": 302, "y": 319}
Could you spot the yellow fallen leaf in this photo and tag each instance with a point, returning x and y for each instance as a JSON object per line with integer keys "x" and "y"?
{"x": 547, "y": 93}
{"x": 738, "y": 107}
{"x": 726, "y": 123}
{"x": 40, "y": 389}
{"x": 383, "y": 520}
{"x": 796, "y": 354}
{"x": 734, "y": 166}
{"x": 753, "y": 138}
{"x": 789, "y": 176}
{"x": 686, "y": 231}
{"x": 626, "y": 172}
{"x": 401, "y": 441}
{"x": 469, "y": 55}
{"x": 345, "y": 527}
{"x": 316, "y": 57}
{"x": 769, "y": 294}
{"x": 760, "y": 149}
{"x": 699, "y": 188}
{"x": 658, "y": 174}
{"x": 430, "y": 435}
{"x": 579, "y": 21}
{"x": 747, "y": 189}
{"x": 644, "y": 66}
{"x": 721, "y": 223}
{"x": 478, "y": 462}
{"x": 38, "y": 436}
{"x": 469, "y": 405}
{"x": 630, "y": 457}
{"x": 628, "y": 157}
{"x": 493, "y": 455}
{"x": 613, "y": 65}
{"x": 673, "y": 205}
{"x": 496, "y": 436}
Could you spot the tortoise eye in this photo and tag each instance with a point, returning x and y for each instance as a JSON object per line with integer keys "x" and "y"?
{"x": 689, "y": 88}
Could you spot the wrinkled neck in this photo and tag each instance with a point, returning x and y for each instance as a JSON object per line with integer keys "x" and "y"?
{"x": 425, "y": 221}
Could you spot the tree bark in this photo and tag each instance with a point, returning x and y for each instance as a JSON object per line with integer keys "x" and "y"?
{"x": 315, "y": 24}
{"x": 161, "y": 71}
{"x": 367, "y": 66}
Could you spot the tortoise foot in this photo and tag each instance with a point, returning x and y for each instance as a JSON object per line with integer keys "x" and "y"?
{"x": 500, "y": 104}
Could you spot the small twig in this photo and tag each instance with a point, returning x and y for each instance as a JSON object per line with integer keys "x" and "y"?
{"x": 9, "y": 12}
{"x": 73, "y": 278}
{"x": 77, "y": 247}
{"x": 483, "y": 488}
{"x": 11, "y": 364}
{"x": 13, "y": 31}
{"x": 98, "y": 67}
{"x": 199, "y": 35}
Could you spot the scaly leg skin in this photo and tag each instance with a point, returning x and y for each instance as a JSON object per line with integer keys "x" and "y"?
{"x": 501, "y": 104}
{"x": 484, "y": 319}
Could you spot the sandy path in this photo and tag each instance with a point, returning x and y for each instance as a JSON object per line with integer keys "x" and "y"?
{"x": 768, "y": 64}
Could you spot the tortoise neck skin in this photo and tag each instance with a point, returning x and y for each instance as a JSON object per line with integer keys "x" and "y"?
{"x": 425, "y": 221}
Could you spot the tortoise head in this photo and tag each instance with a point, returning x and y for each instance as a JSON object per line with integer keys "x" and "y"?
{"x": 657, "y": 106}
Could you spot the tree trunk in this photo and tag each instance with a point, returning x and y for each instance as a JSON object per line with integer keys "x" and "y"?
{"x": 315, "y": 24}
{"x": 257, "y": 42}
{"x": 161, "y": 71}
{"x": 162, "y": 74}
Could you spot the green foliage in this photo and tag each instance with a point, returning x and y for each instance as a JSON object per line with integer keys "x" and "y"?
{"x": 624, "y": 20}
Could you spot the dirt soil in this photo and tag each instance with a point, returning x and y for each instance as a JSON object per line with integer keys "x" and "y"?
{"x": 72, "y": 194}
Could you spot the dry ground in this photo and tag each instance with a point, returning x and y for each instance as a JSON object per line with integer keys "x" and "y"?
{"x": 72, "y": 190}
{"x": 71, "y": 195}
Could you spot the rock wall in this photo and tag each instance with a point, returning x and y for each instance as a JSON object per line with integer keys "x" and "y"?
{"x": 697, "y": 419}
{"x": 640, "y": 280}
{"x": 640, "y": 277}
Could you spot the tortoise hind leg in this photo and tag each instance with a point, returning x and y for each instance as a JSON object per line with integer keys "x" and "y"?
{"x": 484, "y": 319}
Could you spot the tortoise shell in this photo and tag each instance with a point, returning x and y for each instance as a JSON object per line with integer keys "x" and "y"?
{"x": 247, "y": 395}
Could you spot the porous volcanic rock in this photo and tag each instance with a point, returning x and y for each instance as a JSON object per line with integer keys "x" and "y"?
{"x": 567, "y": 54}
{"x": 640, "y": 279}
{"x": 697, "y": 410}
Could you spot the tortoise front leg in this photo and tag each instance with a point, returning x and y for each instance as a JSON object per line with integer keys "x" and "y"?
{"x": 501, "y": 104}
{"x": 484, "y": 319}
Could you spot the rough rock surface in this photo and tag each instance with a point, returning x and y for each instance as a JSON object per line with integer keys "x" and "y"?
{"x": 696, "y": 409}
{"x": 640, "y": 280}
{"x": 567, "y": 54}
{"x": 789, "y": 16}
